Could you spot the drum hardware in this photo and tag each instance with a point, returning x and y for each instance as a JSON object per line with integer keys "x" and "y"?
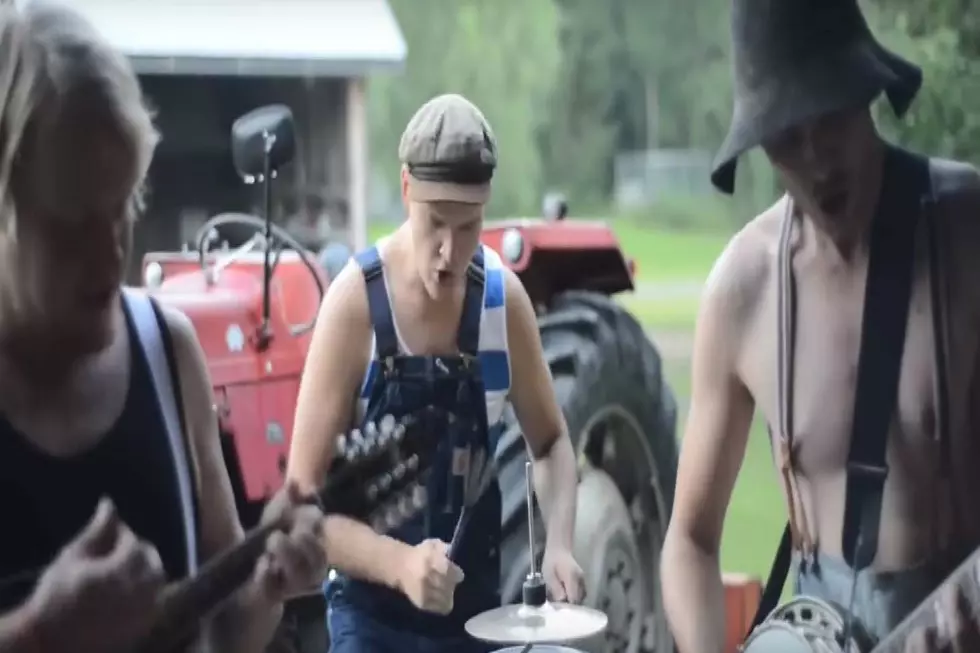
{"x": 536, "y": 624}
{"x": 807, "y": 625}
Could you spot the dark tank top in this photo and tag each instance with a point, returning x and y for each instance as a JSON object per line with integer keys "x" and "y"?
{"x": 45, "y": 501}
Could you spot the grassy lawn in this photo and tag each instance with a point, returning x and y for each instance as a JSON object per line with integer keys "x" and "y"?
{"x": 666, "y": 258}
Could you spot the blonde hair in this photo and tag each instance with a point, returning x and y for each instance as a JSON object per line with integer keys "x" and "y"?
{"x": 47, "y": 51}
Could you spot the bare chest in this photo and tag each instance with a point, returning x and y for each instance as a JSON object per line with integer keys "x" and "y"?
{"x": 829, "y": 326}
{"x": 427, "y": 328}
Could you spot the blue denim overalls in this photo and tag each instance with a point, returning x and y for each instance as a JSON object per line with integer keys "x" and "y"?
{"x": 367, "y": 618}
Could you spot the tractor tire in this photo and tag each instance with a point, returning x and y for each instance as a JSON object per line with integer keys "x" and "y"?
{"x": 622, "y": 418}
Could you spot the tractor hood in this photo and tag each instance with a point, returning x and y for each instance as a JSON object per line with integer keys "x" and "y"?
{"x": 226, "y": 317}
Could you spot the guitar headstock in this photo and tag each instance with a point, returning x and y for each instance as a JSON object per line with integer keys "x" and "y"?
{"x": 378, "y": 473}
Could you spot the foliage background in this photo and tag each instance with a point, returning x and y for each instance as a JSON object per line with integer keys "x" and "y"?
{"x": 569, "y": 83}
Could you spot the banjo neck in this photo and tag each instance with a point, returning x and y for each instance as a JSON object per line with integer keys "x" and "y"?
{"x": 931, "y": 613}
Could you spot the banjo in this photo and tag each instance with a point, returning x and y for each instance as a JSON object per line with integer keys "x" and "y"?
{"x": 809, "y": 625}
{"x": 377, "y": 476}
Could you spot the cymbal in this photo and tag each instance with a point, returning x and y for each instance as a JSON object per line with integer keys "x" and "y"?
{"x": 526, "y": 624}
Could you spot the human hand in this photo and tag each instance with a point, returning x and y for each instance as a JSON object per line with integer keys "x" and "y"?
{"x": 429, "y": 578}
{"x": 956, "y": 627}
{"x": 101, "y": 592}
{"x": 295, "y": 559}
{"x": 562, "y": 575}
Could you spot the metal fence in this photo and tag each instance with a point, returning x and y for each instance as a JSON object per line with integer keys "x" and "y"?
{"x": 642, "y": 177}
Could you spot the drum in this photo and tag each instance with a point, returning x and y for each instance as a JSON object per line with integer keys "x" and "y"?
{"x": 806, "y": 625}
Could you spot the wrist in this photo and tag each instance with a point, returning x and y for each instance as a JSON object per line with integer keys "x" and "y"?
{"x": 23, "y": 631}
{"x": 396, "y": 559}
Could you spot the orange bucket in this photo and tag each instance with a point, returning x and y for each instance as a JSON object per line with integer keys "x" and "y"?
{"x": 742, "y": 596}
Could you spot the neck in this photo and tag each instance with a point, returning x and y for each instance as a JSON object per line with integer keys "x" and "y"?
{"x": 43, "y": 358}
{"x": 848, "y": 234}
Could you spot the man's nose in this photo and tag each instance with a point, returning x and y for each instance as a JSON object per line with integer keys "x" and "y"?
{"x": 446, "y": 249}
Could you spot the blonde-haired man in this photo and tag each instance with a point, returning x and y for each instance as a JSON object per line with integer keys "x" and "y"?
{"x": 88, "y": 423}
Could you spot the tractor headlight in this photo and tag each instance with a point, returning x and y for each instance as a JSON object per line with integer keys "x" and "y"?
{"x": 512, "y": 245}
{"x": 153, "y": 275}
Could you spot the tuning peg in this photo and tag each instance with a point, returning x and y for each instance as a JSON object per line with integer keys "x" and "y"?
{"x": 398, "y": 432}
{"x": 419, "y": 497}
{"x": 406, "y": 506}
{"x": 356, "y": 442}
{"x": 387, "y": 423}
{"x": 392, "y": 517}
{"x": 412, "y": 462}
{"x": 372, "y": 492}
{"x": 341, "y": 446}
{"x": 398, "y": 472}
{"x": 371, "y": 433}
{"x": 384, "y": 483}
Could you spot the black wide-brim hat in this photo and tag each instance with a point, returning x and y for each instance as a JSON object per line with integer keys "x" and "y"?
{"x": 795, "y": 60}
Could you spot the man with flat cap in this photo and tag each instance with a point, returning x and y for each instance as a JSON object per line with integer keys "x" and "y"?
{"x": 848, "y": 315}
{"x": 430, "y": 317}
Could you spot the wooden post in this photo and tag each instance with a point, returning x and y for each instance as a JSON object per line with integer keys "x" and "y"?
{"x": 357, "y": 161}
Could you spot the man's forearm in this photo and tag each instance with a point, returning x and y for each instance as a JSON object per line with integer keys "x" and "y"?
{"x": 555, "y": 484}
{"x": 17, "y": 632}
{"x": 356, "y": 550}
{"x": 694, "y": 597}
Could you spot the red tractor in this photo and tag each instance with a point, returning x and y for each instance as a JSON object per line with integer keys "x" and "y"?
{"x": 254, "y": 298}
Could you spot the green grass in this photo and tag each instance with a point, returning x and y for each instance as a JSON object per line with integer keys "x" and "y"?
{"x": 663, "y": 255}
{"x": 662, "y": 314}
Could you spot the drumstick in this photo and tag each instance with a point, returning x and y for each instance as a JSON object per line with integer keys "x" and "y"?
{"x": 477, "y": 482}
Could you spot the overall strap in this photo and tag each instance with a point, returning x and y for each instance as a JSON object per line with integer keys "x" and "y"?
{"x": 386, "y": 340}
{"x": 906, "y": 188}
{"x": 468, "y": 338}
{"x": 150, "y": 337}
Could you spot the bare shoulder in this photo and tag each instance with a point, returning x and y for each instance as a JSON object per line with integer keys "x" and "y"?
{"x": 343, "y": 329}
{"x": 515, "y": 294}
{"x": 345, "y": 304}
{"x": 738, "y": 279}
{"x": 188, "y": 354}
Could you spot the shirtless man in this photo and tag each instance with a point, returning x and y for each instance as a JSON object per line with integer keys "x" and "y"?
{"x": 803, "y": 96}
{"x": 104, "y": 499}
{"x": 388, "y": 341}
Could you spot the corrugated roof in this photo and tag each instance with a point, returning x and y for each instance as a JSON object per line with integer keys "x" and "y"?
{"x": 251, "y": 37}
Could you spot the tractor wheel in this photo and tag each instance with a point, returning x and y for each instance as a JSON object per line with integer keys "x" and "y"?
{"x": 622, "y": 419}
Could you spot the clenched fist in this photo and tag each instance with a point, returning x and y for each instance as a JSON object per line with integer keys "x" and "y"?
{"x": 429, "y": 578}
{"x": 101, "y": 593}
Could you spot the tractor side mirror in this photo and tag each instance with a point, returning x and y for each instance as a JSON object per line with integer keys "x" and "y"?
{"x": 268, "y": 131}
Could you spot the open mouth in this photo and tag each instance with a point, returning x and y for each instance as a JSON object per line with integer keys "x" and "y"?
{"x": 832, "y": 201}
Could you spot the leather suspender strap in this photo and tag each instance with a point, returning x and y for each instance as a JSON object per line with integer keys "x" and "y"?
{"x": 795, "y": 534}
{"x": 888, "y": 291}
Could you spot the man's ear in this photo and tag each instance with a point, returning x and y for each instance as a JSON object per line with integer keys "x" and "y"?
{"x": 405, "y": 187}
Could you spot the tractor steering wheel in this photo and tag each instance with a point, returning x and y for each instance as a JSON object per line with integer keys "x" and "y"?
{"x": 279, "y": 237}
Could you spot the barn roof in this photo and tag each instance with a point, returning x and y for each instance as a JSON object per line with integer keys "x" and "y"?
{"x": 306, "y": 38}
